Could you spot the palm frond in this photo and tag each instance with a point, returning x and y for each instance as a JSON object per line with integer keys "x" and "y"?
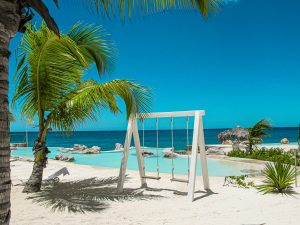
{"x": 279, "y": 178}
{"x": 43, "y": 11}
{"x": 95, "y": 44}
{"x": 89, "y": 97}
{"x": 11, "y": 117}
{"x": 126, "y": 8}
{"x": 50, "y": 66}
{"x": 259, "y": 130}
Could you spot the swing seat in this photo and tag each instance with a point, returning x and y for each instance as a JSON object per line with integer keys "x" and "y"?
{"x": 151, "y": 177}
{"x": 179, "y": 180}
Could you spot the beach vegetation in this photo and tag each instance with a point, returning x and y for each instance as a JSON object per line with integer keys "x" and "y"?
{"x": 50, "y": 84}
{"x": 239, "y": 181}
{"x": 267, "y": 154}
{"x": 279, "y": 178}
{"x": 257, "y": 132}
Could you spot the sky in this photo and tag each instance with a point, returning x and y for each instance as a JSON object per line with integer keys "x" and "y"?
{"x": 240, "y": 65}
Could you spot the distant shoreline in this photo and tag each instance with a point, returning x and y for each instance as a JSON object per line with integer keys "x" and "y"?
{"x": 274, "y": 128}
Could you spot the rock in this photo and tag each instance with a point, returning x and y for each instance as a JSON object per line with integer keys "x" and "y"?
{"x": 82, "y": 149}
{"x": 118, "y": 146}
{"x": 227, "y": 142}
{"x": 69, "y": 158}
{"x": 145, "y": 153}
{"x": 61, "y": 157}
{"x": 284, "y": 141}
{"x": 169, "y": 155}
{"x": 91, "y": 151}
{"x": 79, "y": 147}
{"x": 215, "y": 151}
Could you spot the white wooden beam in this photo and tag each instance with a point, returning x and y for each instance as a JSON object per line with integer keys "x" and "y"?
{"x": 123, "y": 167}
{"x": 194, "y": 155}
{"x": 170, "y": 114}
{"x": 203, "y": 156}
{"x": 139, "y": 155}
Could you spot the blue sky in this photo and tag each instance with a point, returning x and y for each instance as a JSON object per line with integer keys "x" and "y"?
{"x": 240, "y": 65}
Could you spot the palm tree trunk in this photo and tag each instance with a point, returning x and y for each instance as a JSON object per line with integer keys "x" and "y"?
{"x": 250, "y": 147}
{"x": 40, "y": 160}
{"x": 35, "y": 181}
{"x": 9, "y": 23}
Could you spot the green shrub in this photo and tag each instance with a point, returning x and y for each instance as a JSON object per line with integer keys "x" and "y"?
{"x": 279, "y": 178}
{"x": 272, "y": 154}
{"x": 239, "y": 181}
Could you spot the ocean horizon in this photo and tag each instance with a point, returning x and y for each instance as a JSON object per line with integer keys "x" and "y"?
{"x": 107, "y": 139}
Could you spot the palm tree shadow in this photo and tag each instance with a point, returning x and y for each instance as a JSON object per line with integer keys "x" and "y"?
{"x": 87, "y": 195}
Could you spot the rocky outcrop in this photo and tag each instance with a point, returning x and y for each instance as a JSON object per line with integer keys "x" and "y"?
{"x": 92, "y": 150}
{"x": 118, "y": 146}
{"x": 145, "y": 153}
{"x": 284, "y": 141}
{"x": 61, "y": 157}
{"x": 215, "y": 151}
{"x": 169, "y": 155}
{"x": 82, "y": 149}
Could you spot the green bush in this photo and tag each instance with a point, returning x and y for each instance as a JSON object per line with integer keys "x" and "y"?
{"x": 272, "y": 154}
{"x": 239, "y": 181}
{"x": 279, "y": 178}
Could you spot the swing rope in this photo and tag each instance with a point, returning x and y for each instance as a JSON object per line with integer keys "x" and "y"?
{"x": 172, "y": 142}
{"x": 187, "y": 143}
{"x": 143, "y": 128}
{"x": 157, "y": 157}
{"x": 173, "y": 150}
{"x": 157, "y": 145}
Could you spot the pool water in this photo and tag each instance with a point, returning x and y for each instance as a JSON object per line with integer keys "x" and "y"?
{"x": 215, "y": 167}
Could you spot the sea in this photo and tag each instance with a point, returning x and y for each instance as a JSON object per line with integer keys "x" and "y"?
{"x": 107, "y": 139}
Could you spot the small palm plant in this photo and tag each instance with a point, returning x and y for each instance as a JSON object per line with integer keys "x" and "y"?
{"x": 279, "y": 178}
{"x": 257, "y": 132}
{"x": 50, "y": 85}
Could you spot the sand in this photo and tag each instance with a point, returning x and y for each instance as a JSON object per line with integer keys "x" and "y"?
{"x": 225, "y": 205}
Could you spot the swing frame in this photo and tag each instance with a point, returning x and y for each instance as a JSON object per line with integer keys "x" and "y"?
{"x": 198, "y": 140}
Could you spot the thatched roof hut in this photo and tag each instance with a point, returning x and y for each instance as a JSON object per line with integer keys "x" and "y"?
{"x": 235, "y": 134}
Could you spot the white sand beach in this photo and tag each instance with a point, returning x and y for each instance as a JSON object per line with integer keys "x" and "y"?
{"x": 163, "y": 203}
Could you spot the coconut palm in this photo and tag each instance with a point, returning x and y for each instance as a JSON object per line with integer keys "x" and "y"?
{"x": 257, "y": 132}
{"x": 14, "y": 14}
{"x": 50, "y": 84}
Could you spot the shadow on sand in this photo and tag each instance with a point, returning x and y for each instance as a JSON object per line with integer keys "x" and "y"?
{"x": 88, "y": 195}
{"x": 205, "y": 194}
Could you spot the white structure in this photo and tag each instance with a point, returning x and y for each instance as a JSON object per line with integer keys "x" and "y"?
{"x": 198, "y": 140}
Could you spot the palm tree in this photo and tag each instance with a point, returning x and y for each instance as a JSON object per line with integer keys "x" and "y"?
{"x": 257, "y": 132}
{"x": 50, "y": 84}
{"x": 13, "y": 16}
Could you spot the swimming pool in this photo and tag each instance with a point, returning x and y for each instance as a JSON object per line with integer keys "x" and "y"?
{"x": 215, "y": 167}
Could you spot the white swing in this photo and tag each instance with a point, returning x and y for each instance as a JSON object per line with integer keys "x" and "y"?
{"x": 173, "y": 150}
{"x": 198, "y": 141}
{"x": 157, "y": 177}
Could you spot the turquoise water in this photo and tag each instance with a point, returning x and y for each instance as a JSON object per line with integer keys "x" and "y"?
{"x": 107, "y": 139}
{"x": 215, "y": 167}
